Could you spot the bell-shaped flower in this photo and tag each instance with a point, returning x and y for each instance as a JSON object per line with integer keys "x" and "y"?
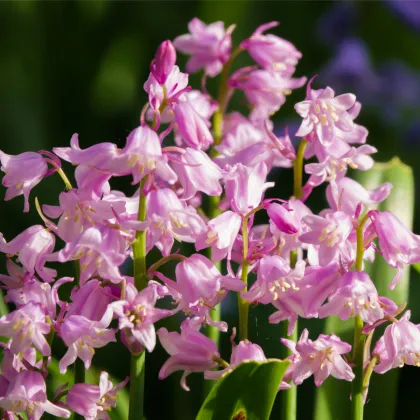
{"x": 320, "y": 358}
{"x": 168, "y": 219}
{"x": 94, "y": 401}
{"x": 245, "y": 187}
{"x": 189, "y": 351}
{"x": 164, "y": 61}
{"x": 399, "y": 346}
{"x": 82, "y": 336}
{"x": 357, "y": 295}
{"x": 330, "y": 233}
{"x": 90, "y": 300}
{"x": 275, "y": 280}
{"x": 26, "y": 326}
{"x": 192, "y": 126}
{"x": 27, "y": 393}
{"x": 208, "y": 45}
{"x": 282, "y": 218}
{"x": 245, "y": 351}
{"x": 399, "y": 246}
{"x": 322, "y": 113}
{"x": 33, "y": 247}
{"x": 272, "y": 52}
{"x": 345, "y": 195}
{"x": 136, "y": 315}
{"x": 202, "y": 287}
{"x": 197, "y": 172}
{"x": 265, "y": 91}
{"x": 220, "y": 235}
{"x": 22, "y": 173}
{"x": 100, "y": 251}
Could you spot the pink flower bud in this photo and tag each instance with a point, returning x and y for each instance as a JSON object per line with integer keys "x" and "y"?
{"x": 164, "y": 61}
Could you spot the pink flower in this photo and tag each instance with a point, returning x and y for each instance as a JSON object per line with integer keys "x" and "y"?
{"x": 275, "y": 280}
{"x": 168, "y": 219}
{"x": 190, "y": 351}
{"x": 357, "y": 295}
{"x": 320, "y": 358}
{"x": 399, "y": 246}
{"x": 400, "y": 345}
{"x": 265, "y": 91}
{"x": 23, "y": 172}
{"x": 245, "y": 187}
{"x": 245, "y": 351}
{"x": 137, "y": 315}
{"x": 192, "y": 126}
{"x": 33, "y": 246}
{"x": 93, "y": 401}
{"x": 330, "y": 233}
{"x": 272, "y": 52}
{"x": 201, "y": 287}
{"x": 100, "y": 251}
{"x": 322, "y": 113}
{"x": 345, "y": 194}
{"x": 163, "y": 62}
{"x": 220, "y": 235}
{"x": 82, "y": 336}
{"x": 27, "y": 393}
{"x": 196, "y": 172}
{"x": 208, "y": 45}
{"x": 26, "y": 326}
{"x": 282, "y": 217}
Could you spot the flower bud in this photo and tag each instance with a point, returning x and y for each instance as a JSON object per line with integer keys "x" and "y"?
{"x": 163, "y": 62}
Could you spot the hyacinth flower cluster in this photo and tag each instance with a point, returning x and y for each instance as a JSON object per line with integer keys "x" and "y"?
{"x": 200, "y": 173}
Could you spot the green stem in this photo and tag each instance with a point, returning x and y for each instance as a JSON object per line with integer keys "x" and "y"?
{"x": 140, "y": 281}
{"x": 298, "y": 170}
{"x": 289, "y": 396}
{"x": 243, "y": 304}
{"x": 359, "y": 338}
{"x": 137, "y": 368}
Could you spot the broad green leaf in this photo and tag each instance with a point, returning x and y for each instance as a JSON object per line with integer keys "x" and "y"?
{"x": 332, "y": 399}
{"x": 248, "y": 392}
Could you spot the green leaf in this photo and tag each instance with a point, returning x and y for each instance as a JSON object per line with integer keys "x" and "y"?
{"x": 332, "y": 400}
{"x": 248, "y": 392}
{"x": 417, "y": 267}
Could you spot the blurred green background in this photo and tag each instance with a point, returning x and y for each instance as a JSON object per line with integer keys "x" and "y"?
{"x": 79, "y": 66}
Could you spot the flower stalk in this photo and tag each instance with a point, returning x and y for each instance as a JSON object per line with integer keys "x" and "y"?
{"x": 137, "y": 366}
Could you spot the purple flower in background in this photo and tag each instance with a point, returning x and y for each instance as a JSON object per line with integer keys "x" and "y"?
{"x": 407, "y": 10}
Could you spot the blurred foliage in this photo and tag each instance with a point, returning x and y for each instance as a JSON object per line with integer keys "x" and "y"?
{"x": 79, "y": 66}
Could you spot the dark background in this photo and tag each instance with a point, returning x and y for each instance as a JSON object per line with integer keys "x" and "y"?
{"x": 79, "y": 66}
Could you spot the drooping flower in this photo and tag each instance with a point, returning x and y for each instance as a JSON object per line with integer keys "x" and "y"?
{"x": 330, "y": 233}
{"x": 201, "y": 287}
{"x": 245, "y": 187}
{"x": 399, "y": 346}
{"x": 323, "y": 113}
{"x": 26, "y": 326}
{"x": 189, "y": 351}
{"x": 137, "y": 315}
{"x": 399, "y": 246}
{"x": 220, "y": 235}
{"x": 94, "y": 401}
{"x": 208, "y": 45}
{"x": 22, "y": 173}
{"x": 272, "y": 52}
{"x": 357, "y": 295}
{"x": 27, "y": 393}
{"x": 82, "y": 336}
{"x": 320, "y": 358}
{"x": 33, "y": 247}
